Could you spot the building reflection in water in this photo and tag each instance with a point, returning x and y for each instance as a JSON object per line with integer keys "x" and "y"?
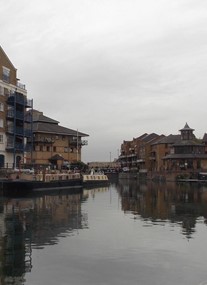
{"x": 35, "y": 223}
{"x": 156, "y": 203}
{"x": 26, "y": 224}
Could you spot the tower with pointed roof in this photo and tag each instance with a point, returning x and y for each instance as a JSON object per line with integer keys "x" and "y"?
{"x": 188, "y": 153}
{"x": 187, "y": 133}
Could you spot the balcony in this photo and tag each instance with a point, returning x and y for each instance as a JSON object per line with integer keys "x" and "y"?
{"x": 21, "y": 86}
{"x": 17, "y": 146}
{"x": 15, "y": 131}
{"x": 74, "y": 142}
{"x": 18, "y": 98}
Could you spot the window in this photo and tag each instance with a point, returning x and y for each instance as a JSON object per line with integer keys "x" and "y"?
{"x": 41, "y": 148}
{"x": 1, "y": 123}
{"x": 1, "y": 138}
{"x": 1, "y": 107}
{"x": 1, "y": 90}
{"x": 48, "y": 148}
{"x": 6, "y": 74}
{"x": 54, "y": 148}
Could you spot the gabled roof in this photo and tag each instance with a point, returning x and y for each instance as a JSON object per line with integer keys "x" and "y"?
{"x": 40, "y": 117}
{"x": 149, "y": 137}
{"x": 142, "y": 136}
{"x": 56, "y": 157}
{"x": 204, "y": 138}
{"x": 171, "y": 139}
{"x": 3, "y": 52}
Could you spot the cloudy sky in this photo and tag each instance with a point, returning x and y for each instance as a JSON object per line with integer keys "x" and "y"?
{"x": 113, "y": 69}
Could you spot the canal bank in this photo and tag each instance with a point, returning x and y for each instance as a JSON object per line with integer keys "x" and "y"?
{"x": 166, "y": 176}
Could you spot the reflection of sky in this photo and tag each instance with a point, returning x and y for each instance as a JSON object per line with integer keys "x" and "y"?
{"x": 118, "y": 249}
{"x": 113, "y": 246}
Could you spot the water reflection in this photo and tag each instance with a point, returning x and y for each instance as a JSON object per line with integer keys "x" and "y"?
{"x": 183, "y": 204}
{"x": 37, "y": 222}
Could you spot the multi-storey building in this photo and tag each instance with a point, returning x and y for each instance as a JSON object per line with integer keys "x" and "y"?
{"x": 136, "y": 153}
{"x": 53, "y": 144}
{"x": 188, "y": 153}
{"x": 13, "y": 106}
{"x": 160, "y": 149}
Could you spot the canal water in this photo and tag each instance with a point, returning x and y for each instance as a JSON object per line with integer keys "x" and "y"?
{"x": 125, "y": 234}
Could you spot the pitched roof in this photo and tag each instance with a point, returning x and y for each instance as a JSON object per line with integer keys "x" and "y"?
{"x": 3, "y": 52}
{"x": 55, "y": 129}
{"x": 43, "y": 124}
{"x": 186, "y": 128}
{"x": 40, "y": 117}
{"x": 171, "y": 139}
{"x": 149, "y": 137}
{"x": 204, "y": 137}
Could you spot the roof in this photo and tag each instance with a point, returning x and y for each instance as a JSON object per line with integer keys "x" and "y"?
{"x": 56, "y": 129}
{"x": 186, "y": 128}
{"x": 57, "y": 157}
{"x": 3, "y": 52}
{"x": 149, "y": 137}
{"x": 188, "y": 142}
{"x": 204, "y": 138}
{"x": 187, "y": 155}
{"x": 40, "y": 117}
{"x": 44, "y": 124}
{"x": 171, "y": 139}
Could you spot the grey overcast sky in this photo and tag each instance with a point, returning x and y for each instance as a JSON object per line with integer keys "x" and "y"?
{"x": 113, "y": 69}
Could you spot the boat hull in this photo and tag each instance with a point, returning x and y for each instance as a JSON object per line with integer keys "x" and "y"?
{"x": 21, "y": 188}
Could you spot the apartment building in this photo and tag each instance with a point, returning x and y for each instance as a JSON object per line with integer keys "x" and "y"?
{"x": 155, "y": 153}
{"x": 136, "y": 153}
{"x": 53, "y": 145}
{"x": 13, "y": 106}
{"x": 188, "y": 153}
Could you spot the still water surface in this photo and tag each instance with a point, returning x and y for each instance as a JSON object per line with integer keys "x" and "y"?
{"x": 125, "y": 234}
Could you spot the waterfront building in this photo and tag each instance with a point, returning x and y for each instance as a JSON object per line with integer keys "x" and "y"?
{"x": 188, "y": 153}
{"x": 144, "y": 155}
{"x": 160, "y": 149}
{"x": 13, "y": 107}
{"x": 136, "y": 153}
{"x": 153, "y": 153}
{"x": 53, "y": 145}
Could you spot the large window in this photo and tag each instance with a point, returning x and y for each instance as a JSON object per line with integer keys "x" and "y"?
{"x": 1, "y": 90}
{"x": 6, "y": 74}
{"x": 1, "y": 123}
{"x": 1, "y": 107}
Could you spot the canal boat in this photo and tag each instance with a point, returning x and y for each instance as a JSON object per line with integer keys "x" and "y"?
{"x": 27, "y": 184}
{"x": 94, "y": 180}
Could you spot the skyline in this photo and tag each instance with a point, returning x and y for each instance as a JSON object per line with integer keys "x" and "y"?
{"x": 111, "y": 69}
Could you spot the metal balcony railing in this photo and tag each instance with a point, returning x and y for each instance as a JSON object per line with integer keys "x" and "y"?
{"x": 21, "y": 86}
{"x": 16, "y": 146}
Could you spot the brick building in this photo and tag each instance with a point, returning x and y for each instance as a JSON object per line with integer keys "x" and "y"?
{"x": 13, "y": 107}
{"x": 53, "y": 144}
